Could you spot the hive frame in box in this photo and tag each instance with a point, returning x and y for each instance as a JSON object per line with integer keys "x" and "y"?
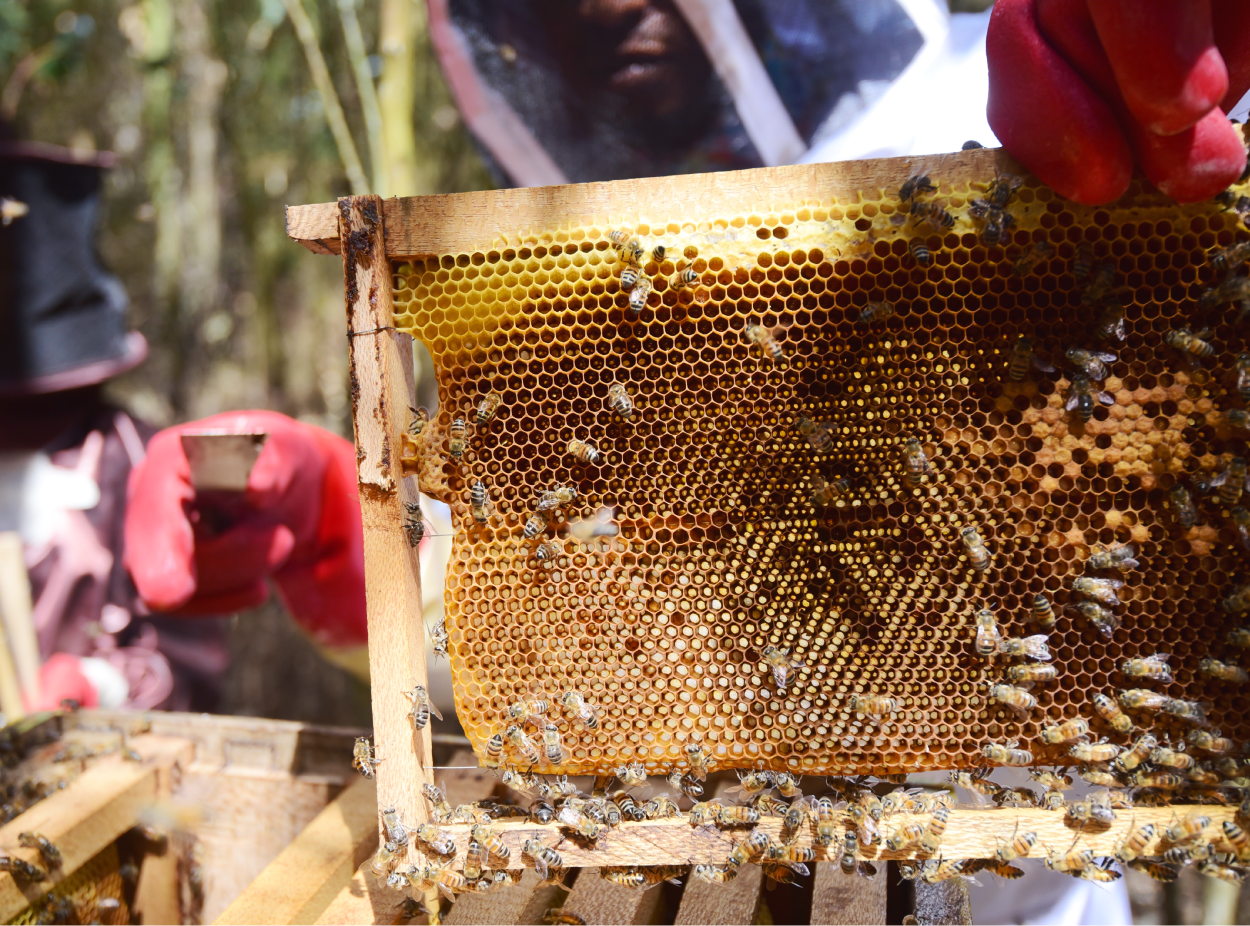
{"x": 369, "y": 233}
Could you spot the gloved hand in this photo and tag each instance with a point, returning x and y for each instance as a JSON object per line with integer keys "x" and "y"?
{"x": 1081, "y": 88}
{"x": 298, "y": 521}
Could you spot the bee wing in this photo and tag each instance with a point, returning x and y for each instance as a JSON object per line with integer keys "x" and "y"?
{"x": 434, "y": 710}
{"x": 1106, "y": 398}
{"x": 1073, "y": 398}
{"x": 1041, "y": 363}
{"x": 1105, "y": 356}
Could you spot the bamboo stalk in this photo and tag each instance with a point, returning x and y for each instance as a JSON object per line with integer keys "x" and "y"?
{"x": 368, "y": 94}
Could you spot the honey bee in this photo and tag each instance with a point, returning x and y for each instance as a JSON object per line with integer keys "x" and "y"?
{"x": 873, "y": 704}
{"x": 638, "y": 296}
{"x": 1110, "y": 324}
{"x": 1030, "y": 673}
{"x": 1231, "y": 481}
{"x": 849, "y": 862}
{"x": 1042, "y": 613}
{"x": 420, "y": 418}
{"x": 1096, "y": 775}
{"x": 1209, "y": 741}
{"x": 622, "y": 239}
{"x": 1237, "y": 838}
{"x": 422, "y": 707}
{"x": 1153, "y": 667}
{"x": 364, "y": 757}
{"x": 439, "y": 841}
{"x": 997, "y": 223}
{"x": 932, "y": 213}
{"x": 1189, "y": 711}
{"x": 816, "y": 434}
{"x": 766, "y": 339}
{"x": 1007, "y": 754}
{"x": 487, "y": 408}
{"x": 904, "y": 835}
{"x": 824, "y": 493}
{"x": 583, "y": 452}
{"x": 1065, "y": 732}
{"x": 1111, "y": 713}
{"x": 1137, "y": 753}
{"x": 1238, "y": 636}
{"x": 1144, "y": 778}
{"x": 1103, "y": 590}
{"x": 478, "y": 503}
{"x": 632, "y": 775}
{"x": 620, "y": 402}
{"x": 780, "y": 663}
{"x": 736, "y": 816}
{"x": 935, "y": 871}
{"x": 974, "y": 781}
{"x": 1052, "y": 780}
{"x": 1241, "y": 524}
{"x": 1224, "y": 671}
{"x": 914, "y": 186}
{"x": 1071, "y": 861}
{"x": 629, "y": 276}
{"x": 1096, "y": 807}
{"x": 1234, "y": 289}
{"x": 988, "y": 637}
{"x": 438, "y": 638}
{"x": 494, "y": 751}
{"x": 919, "y": 250}
{"x": 697, "y": 756}
{"x": 577, "y": 821}
{"x": 385, "y": 859}
{"x": 1239, "y": 601}
{"x": 1164, "y": 757}
{"x": 1027, "y": 262}
{"x": 1083, "y": 263}
{"x": 1017, "y": 699}
{"x": 713, "y": 874}
{"x": 1187, "y": 829}
{"x": 1083, "y": 395}
{"x": 1100, "y": 284}
{"x": 751, "y": 783}
{"x": 826, "y": 822}
{"x": 553, "y": 745}
{"x": 1227, "y": 258}
{"x": 756, "y": 844}
{"x": 1213, "y": 868}
{"x": 475, "y": 859}
{"x": 438, "y": 800}
{"x": 495, "y": 846}
{"x": 1119, "y": 557}
{"x": 703, "y": 813}
{"x": 455, "y": 444}
{"x": 978, "y": 555}
{"x": 396, "y": 831}
{"x": 545, "y": 858}
{"x": 683, "y": 279}
{"x": 786, "y": 784}
{"x": 1187, "y": 342}
{"x": 1021, "y": 846}
{"x": 1033, "y": 647}
{"x": 658, "y": 253}
{"x": 1022, "y": 357}
{"x": 1105, "y": 621}
{"x": 50, "y": 854}
{"x": 546, "y": 552}
{"x": 915, "y": 463}
{"x": 1156, "y": 870}
{"x": 1142, "y": 699}
{"x": 522, "y": 744}
{"x": 875, "y": 312}
{"x": 576, "y": 706}
{"x": 1243, "y": 376}
{"x": 1102, "y": 751}
{"x": 1093, "y": 364}
{"x": 414, "y": 524}
{"x": 1183, "y": 509}
{"x": 685, "y": 784}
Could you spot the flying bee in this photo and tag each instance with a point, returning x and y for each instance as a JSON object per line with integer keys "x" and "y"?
{"x": 583, "y": 452}
{"x": 1071, "y": 861}
{"x": 1153, "y": 667}
{"x": 1017, "y": 699}
{"x": 1145, "y": 778}
{"x": 1189, "y": 711}
{"x": 1137, "y": 753}
{"x": 1102, "y": 751}
{"x": 1111, "y": 713}
{"x": 766, "y": 339}
{"x": 1231, "y": 481}
{"x": 1042, "y": 613}
{"x": 1021, "y": 846}
{"x": 1016, "y": 797}
{"x": 1027, "y": 262}
{"x": 1083, "y": 397}
{"x": 50, "y": 854}
{"x": 20, "y": 868}
{"x": 545, "y": 858}
{"x": 978, "y": 555}
{"x": 915, "y": 463}
{"x": 422, "y": 707}
{"x": 583, "y": 713}
{"x": 1033, "y": 647}
{"x": 1031, "y": 673}
{"x": 478, "y": 503}
{"x": 780, "y": 663}
{"x": 522, "y": 745}
{"x": 824, "y": 493}
{"x": 915, "y": 185}
{"x": 988, "y": 636}
{"x": 553, "y": 745}
{"x": 1022, "y": 357}
{"x": 629, "y": 277}
{"x": 919, "y": 250}
{"x": 974, "y": 782}
{"x": 933, "y": 214}
{"x": 1156, "y": 870}
{"x": 1103, "y": 590}
{"x": 1209, "y": 741}
{"x": 1187, "y": 829}
{"x": 364, "y": 757}
{"x": 1224, "y": 671}
{"x": 1110, "y": 325}
{"x": 11, "y": 209}
{"x": 1187, "y": 342}
{"x": 519, "y": 781}
{"x": 455, "y": 443}
{"x": 638, "y": 296}
{"x": 1164, "y": 757}
{"x": 873, "y": 704}
{"x": 1101, "y": 872}
{"x": 438, "y": 840}
{"x": 1007, "y": 754}
{"x": 1065, "y": 732}
{"x": 1227, "y": 258}
{"x": 937, "y": 870}
{"x": 875, "y": 312}
{"x": 683, "y": 279}
{"x": 632, "y": 775}
{"x": 815, "y": 433}
{"x": 620, "y": 402}
{"x": 438, "y": 638}
{"x": 1135, "y": 844}
{"x": 1120, "y": 557}
{"x": 487, "y": 408}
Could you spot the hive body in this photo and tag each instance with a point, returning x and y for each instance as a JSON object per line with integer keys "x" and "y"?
{"x": 720, "y": 551}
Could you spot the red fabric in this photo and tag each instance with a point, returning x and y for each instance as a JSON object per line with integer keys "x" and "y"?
{"x": 1191, "y": 164}
{"x": 298, "y": 522}
{"x": 60, "y": 678}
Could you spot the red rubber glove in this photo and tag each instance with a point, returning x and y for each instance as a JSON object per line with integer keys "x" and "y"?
{"x": 1078, "y": 88}
{"x": 298, "y": 521}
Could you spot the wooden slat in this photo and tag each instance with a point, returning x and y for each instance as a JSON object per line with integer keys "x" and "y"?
{"x": 846, "y": 899}
{"x": 735, "y": 902}
{"x": 599, "y": 901}
{"x": 302, "y": 881}
{"x": 363, "y": 900}
{"x": 971, "y": 832}
{"x": 381, "y": 392}
{"x": 90, "y": 813}
{"x": 462, "y": 222}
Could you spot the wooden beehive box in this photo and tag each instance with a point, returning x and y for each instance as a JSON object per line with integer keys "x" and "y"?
{"x": 720, "y": 551}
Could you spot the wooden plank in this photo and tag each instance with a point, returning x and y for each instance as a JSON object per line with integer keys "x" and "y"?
{"x": 943, "y": 904}
{"x": 846, "y": 899}
{"x": 735, "y": 902}
{"x": 364, "y": 900}
{"x": 302, "y": 881}
{"x": 157, "y": 891}
{"x": 457, "y": 223}
{"x": 90, "y": 813}
{"x": 382, "y": 390}
{"x": 971, "y": 832}
{"x": 599, "y": 901}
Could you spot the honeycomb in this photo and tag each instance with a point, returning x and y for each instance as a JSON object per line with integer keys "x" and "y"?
{"x": 720, "y": 552}
{"x": 96, "y": 880}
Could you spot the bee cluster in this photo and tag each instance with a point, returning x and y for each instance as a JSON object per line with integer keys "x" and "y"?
{"x": 947, "y": 478}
